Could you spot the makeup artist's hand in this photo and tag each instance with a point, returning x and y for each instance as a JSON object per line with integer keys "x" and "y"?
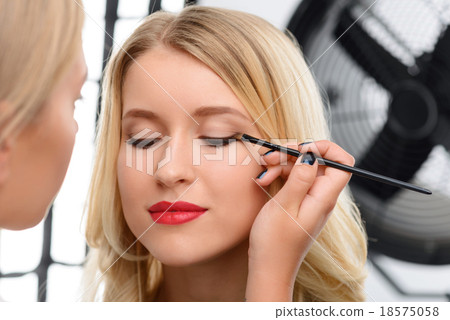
{"x": 287, "y": 225}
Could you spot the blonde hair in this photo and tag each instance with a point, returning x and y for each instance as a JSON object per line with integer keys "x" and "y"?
{"x": 262, "y": 66}
{"x": 38, "y": 40}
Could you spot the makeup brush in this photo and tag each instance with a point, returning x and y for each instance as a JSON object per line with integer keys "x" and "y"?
{"x": 333, "y": 164}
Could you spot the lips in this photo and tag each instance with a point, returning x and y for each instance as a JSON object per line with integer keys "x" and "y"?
{"x": 165, "y": 212}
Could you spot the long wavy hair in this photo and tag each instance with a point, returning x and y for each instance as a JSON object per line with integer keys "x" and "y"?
{"x": 265, "y": 68}
{"x": 38, "y": 39}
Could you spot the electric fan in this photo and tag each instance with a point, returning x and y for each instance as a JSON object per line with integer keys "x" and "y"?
{"x": 385, "y": 67}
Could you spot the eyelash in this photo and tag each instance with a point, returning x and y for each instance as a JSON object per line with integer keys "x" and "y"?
{"x": 147, "y": 143}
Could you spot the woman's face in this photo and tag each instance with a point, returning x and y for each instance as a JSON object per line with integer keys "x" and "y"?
{"x": 170, "y": 92}
{"x": 38, "y": 157}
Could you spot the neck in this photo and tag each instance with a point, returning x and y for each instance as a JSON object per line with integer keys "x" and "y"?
{"x": 222, "y": 278}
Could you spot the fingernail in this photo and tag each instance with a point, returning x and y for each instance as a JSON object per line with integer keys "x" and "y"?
{"x": 308, "y": 158}
{"x": 268, "y": 152}
{"x": 303, "y": 143}
{"x": 261, "y": 174}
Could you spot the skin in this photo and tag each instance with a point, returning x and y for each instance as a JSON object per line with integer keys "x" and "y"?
{"x": 233, "y": 244}
{"x": 288, "y": 224}
{"x": 33, "y": 163}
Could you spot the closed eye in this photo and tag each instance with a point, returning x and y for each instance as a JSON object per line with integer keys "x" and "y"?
{"x": 212, "y": 142}
{"x": 142, "y": 143}
{"x": 218, "y": 142}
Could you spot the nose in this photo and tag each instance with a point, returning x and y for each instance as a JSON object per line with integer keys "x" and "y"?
{"x": 174, "y": 166}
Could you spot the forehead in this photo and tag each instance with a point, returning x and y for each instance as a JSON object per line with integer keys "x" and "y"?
{"x": 164, "y": 78}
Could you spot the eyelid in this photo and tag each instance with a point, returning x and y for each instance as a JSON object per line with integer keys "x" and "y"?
{"x": 224, "y": 141}
{"x": 142, "y": 143}
{"x": 145, "y": 143}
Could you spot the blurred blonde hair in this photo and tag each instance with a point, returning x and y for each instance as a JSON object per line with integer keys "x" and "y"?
{"x": 262, "y": 66}
{"x": 38, "y": 39}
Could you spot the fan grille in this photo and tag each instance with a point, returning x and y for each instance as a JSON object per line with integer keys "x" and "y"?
{"x": 407, "y": 225}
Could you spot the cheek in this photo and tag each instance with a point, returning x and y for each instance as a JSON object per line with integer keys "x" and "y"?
{"x": 63, "y": 137}
{"x": 41, "y": 159}
{"x": 127, "y": 180}
{"x": 55, "y": 139}
{"x": 232, "y": 184}
{"x": 56, "y": 136}
{"x": 235, "y": 198}
{"x": 133, "y": 190}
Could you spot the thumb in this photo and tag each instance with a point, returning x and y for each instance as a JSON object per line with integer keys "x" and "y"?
{"x": 299, "y": 182}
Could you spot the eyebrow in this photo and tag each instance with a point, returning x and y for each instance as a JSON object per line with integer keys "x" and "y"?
{"x": 203, "y": 111}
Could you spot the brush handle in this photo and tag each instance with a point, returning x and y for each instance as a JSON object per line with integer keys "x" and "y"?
{"x": 374, "y": 176}
{"x": 340, "y": 166}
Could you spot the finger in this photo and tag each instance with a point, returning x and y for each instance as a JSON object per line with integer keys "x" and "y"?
{"x": 282, "y": 161}
{"x": 299, "y": 182}
{"x": 313, "y": 215}
{"x": 273, "y": 157}
{"x": 269, "y": 174}
{"x": 329, "y": 150}
{"x": 327, "y": 187}
{"x": 326, "y": 191}
{"x": 275, "y": 172}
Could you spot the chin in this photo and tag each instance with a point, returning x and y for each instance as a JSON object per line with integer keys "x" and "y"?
{"x": 24, "y": 221}
{"x": 181, "y": 258}
{"x": 38, "y": 217}
{"x": 176, "y": 262}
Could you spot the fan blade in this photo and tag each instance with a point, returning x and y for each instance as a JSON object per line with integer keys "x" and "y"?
{"x": 442, "y": 133}
{"x": 308, "y": 17}
{"x": 440, "y": 57}
{"x": 437, "y": 79}
{"x": 438, "y": 71}
{"x": 393, "y": 156}
{"x": 405, "y": 141}
{"x": 370, "y": 55}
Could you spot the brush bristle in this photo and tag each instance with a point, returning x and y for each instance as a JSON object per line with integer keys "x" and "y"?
{"x": 237, "y": 136}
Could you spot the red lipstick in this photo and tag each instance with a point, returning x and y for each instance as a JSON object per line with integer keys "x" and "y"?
{"x": 179, "y": 212}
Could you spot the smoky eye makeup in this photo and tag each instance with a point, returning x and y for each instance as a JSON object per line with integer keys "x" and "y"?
{"x": 142, "y": 143}
{"x": 142, "y": 139}
{"x": 218, "y": 142}
{"x": 213, "y": 142}
{"x": 214, "y": 133}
